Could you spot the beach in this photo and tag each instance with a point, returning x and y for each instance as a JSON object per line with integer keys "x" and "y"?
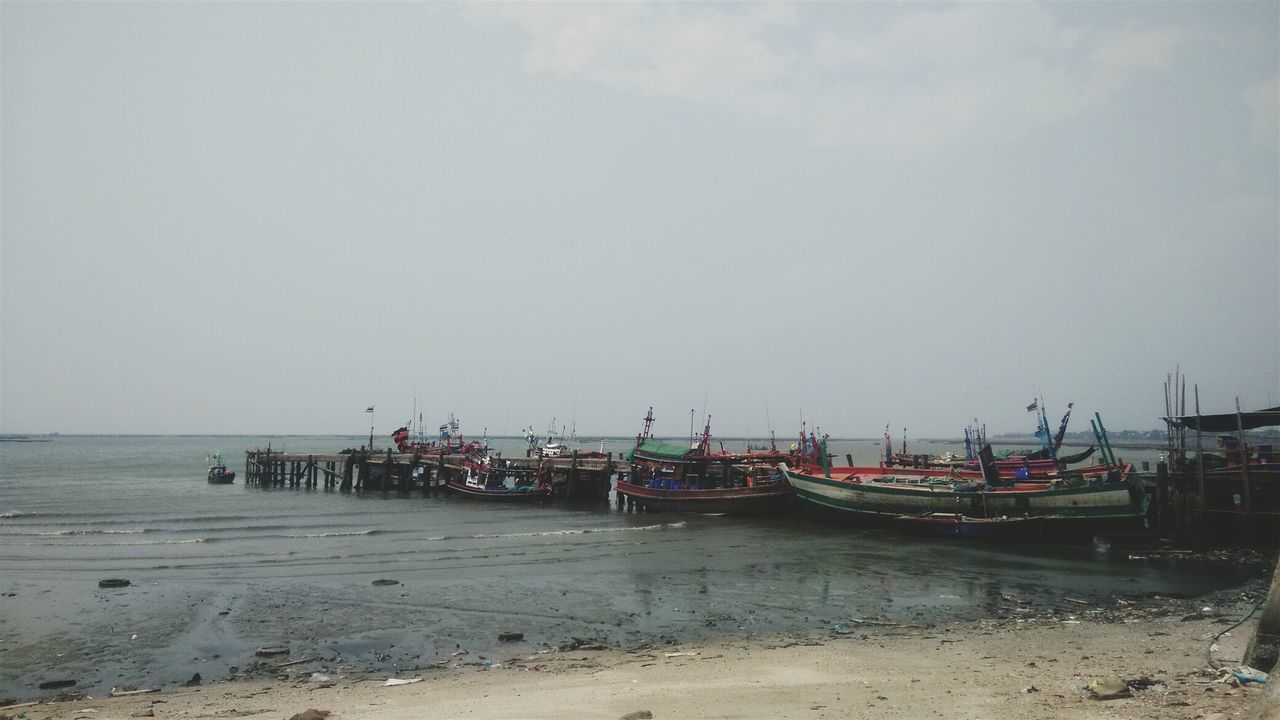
{"x": 1000, "y": 669}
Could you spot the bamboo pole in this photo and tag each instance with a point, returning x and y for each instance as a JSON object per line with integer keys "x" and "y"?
{"x": 1244, "y": 469}
{"x": 1201, "y": 505}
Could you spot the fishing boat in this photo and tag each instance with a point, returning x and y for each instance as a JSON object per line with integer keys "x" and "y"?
{"x": 449, "y": 442}
{"x": 938, "y": 499}
{"x": 487, "y": 479}
{"x": 218, "y": 472}
{"x": 554, "y": 446}
{"x": 674, "y": 477}
{"x": 1046, "y": 464}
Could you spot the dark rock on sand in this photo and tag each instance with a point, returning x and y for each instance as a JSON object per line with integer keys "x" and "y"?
{"x": 55, "y": 684}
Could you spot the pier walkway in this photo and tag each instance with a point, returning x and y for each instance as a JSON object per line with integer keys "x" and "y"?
{"x": 387, "y": 470}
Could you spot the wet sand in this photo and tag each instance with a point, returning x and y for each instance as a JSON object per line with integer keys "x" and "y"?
{"x": 1002, "y": 669}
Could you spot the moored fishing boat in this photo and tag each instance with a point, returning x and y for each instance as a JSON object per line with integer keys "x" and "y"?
{"x": 1044, "y": 465}
{"x": 926, "y": 497}
{"x": 487, "y": 480}
{"x": 674, "y": 477}
{"x": 450, "y": 441}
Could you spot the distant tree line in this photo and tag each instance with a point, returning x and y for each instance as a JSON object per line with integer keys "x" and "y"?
{"x": 1086, "y": 437}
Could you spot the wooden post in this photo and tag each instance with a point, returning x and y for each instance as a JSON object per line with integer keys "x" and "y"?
{"x": 1201, "y": 505}
{"x": 348, "y": 468}
{"x": 1162, "y": 498}
{"x": 573, "y": 473}
{"x": 1244, "y": 476}
{"x": 1180, "y": 506}
{"x": 607, "y": 477}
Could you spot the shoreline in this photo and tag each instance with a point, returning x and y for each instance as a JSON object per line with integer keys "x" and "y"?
{"x": 1005, "y": 669}
{"x": 159, "y": 635}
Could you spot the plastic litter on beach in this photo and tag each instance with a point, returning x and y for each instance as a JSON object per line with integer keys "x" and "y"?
{"x": 400, "y": 681}
{"x": 1107, "y": 688}
{"x": 1246, "y": 674}
{"x": 691, "y": 653}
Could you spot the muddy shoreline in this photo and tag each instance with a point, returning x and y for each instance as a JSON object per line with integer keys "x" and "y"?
{"x": 320, "y": 635}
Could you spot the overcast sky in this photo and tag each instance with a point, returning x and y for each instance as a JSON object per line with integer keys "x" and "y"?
{"x": 263, "y": 218}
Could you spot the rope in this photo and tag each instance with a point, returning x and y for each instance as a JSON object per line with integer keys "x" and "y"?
{"x": 1208, "y": 651}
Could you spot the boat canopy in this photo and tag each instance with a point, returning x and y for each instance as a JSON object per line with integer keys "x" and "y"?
{"x": 661, "y": 450}
{"x": 1227, "y": 422}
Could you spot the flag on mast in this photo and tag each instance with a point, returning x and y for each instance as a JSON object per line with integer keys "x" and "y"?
{"x": 369, "y": 409}
{"x": 1032, "y": 407}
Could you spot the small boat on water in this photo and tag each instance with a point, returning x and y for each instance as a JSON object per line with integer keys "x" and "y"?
{"x": 966, "y": 502}
{"x": 218, "y": 472}
{"x": 674, "y": 477}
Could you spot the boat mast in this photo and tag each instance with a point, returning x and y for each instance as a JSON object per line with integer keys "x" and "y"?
{"x": 1048, "y": 439}
{"x": 704, "y": 445}
{"x": 648, "y": 424}
{"x": 1062, "y": 429}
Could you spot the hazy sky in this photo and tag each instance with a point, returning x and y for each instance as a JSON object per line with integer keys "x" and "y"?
{"x": 262, "y": 218}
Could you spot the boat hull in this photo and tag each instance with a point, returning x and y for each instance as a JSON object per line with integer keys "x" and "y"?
{"x": 754, "y": 500}
{"x": 223, "y": 479}
{"x": 526, "y": 496}
{"x": 867, "y": 494}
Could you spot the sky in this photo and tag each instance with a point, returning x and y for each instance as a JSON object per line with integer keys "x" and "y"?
{"x": 264, "y": 218}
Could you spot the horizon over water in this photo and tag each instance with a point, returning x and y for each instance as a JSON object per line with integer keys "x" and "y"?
{"x": 218, "y": 571}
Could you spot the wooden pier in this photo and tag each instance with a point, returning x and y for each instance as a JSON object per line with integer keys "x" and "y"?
{"x": 1224, "y": 494}
{"x": 573, "y": 477}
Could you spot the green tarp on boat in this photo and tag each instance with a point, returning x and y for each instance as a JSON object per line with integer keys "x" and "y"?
{"x": 660, "y": 451}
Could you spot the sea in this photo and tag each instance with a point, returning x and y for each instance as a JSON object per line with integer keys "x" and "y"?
{"x": 219, "y": 571}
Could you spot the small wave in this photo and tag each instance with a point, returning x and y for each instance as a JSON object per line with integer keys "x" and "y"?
{"x": 121, "y": 544}
{"x": 12, "y": 514}
{"x": 577, "y": 532}
{"x": 336, "y": 534}
{"x": 64, "y": 533}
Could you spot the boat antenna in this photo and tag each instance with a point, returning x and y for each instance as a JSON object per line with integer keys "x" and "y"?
{"x": 773, "y": 441}
{"x": 690, "y": 427}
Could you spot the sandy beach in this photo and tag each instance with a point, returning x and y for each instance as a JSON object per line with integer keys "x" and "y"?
{"x": 1005, "y": 668}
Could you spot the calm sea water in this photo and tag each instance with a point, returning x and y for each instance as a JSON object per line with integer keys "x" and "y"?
{"x": 218, "y": 571}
